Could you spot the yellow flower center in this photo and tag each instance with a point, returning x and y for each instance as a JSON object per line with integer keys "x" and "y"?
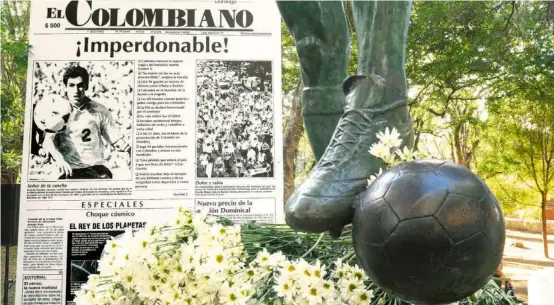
{"x": 219, "y": 258}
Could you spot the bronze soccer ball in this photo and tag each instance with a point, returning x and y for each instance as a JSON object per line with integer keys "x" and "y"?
{"x": 429, "y": 232}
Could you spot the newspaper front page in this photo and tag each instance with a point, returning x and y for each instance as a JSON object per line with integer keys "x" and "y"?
{"x": 135, "y": 108}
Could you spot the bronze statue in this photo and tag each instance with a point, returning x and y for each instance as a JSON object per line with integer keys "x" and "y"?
{"x": 413, "y": 208}
{"x": 342, "y": 117}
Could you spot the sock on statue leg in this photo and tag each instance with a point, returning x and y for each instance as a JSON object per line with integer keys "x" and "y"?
{"x": 320, "y": 33}
{"x": 382, "y": 30}
{"x": 322, "y": 108}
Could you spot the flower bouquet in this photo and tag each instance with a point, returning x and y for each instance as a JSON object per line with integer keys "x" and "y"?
{"x": 201, "y": 259}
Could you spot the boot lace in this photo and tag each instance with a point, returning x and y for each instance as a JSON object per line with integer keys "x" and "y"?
{"x": 353, "y": 125}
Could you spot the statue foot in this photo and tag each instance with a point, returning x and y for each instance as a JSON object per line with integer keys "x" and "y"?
{"x": 326, "y": 200}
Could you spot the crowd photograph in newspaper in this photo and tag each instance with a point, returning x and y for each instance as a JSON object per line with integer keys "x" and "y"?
{"x": 82, "y": 120}
{"x": 235, "y": 134}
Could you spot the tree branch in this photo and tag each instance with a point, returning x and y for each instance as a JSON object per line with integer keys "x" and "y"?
{"x": 443, "y": 113}
{"x": 511, "y": 197}
{"x": 550, "y": 13}
{"x": 492, "y": 175}
{"x": 510, "y": 17}
{"x": 528, "y": 185}
{"x": 533, "y": 168}
{"x": 416, "y": 99}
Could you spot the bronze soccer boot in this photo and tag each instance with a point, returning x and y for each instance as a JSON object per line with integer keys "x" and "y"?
{"x": 324, "y": 202}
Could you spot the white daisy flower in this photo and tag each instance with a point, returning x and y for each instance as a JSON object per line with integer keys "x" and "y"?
{"x": 231, "y": 296}
{"x": 390, "y": 138}
{"x": 361, "y": 297}
{"x": 284, "y": 287}
{"x": 405, "y": 154}
{"x": 380, "y": 150}
{"x": 350, "y": 286}
{"x": 328, "y": 290}
{"x": 314, "y": 294}
{"x": 287, "y": 268}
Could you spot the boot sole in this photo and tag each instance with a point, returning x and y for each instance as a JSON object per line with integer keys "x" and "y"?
{"x": 317, "y": 214}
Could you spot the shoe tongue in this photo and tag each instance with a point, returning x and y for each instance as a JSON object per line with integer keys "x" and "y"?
{"x": 363, "y": 92}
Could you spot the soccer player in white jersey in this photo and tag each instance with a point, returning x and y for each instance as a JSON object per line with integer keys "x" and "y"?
{"x": 89, "y": 129}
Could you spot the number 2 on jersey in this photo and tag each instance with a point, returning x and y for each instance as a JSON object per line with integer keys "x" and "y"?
{"x": 86, "y": 135}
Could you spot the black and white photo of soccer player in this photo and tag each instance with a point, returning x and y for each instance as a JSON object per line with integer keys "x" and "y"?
{"x": 235, "y": 134}
{"x": 82, "y": 120}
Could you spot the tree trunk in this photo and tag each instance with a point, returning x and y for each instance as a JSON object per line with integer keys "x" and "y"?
{"x": 463, "y": 154}
{"x": 458, "y": 146}
{"x": 550, "y": 12}
{"x": 544, "y": 228}
{"x": 10, "y": 175}
{"x": 293, "y": 130}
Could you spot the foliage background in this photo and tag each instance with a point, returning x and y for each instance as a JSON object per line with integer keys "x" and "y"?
{"x": 14, "y": 25}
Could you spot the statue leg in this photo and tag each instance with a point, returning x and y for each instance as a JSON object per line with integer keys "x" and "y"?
{"x": 382, "y": 30}
{"x": 320, "y": 33}
{"x": 374, "y": 100}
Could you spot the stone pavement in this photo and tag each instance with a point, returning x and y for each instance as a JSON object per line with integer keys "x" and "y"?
{"x": 519, "y": 263}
